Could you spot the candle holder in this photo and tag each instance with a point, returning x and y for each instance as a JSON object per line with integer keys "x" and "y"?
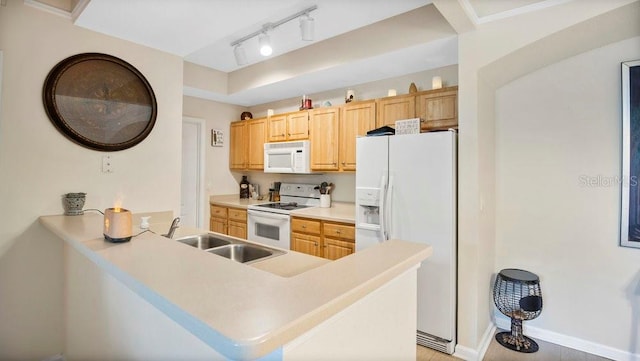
{"x": 117, "y": 225}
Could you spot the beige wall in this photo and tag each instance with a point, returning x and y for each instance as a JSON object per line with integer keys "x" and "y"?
{"x": 490, "y": 56}
{"x": 545, "y": 208}
{"x": 38, "y": 165}
{"x": 345, "y": 182}
{"x": 218, "y": 177}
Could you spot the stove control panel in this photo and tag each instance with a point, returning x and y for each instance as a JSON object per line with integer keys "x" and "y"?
{"x": 299, "y": 190}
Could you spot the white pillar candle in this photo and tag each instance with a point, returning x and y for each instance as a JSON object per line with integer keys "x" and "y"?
{"x": 391, "y": 93}
{"x": 269, "y": 112}
{"x": 117, "y": 225}
{"x": 436, "y": 82}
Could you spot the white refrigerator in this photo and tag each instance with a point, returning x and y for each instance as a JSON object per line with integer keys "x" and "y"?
{"x": 406, "y": 189}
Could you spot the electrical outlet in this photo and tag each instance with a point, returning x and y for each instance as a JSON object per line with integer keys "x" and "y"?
{"x": 107, "y": 164}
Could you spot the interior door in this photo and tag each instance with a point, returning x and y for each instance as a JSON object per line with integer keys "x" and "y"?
{"x": 191, "y": 206}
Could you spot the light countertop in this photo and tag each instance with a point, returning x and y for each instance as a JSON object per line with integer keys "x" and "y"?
{"x": 200, "y": 291}
{"x": 338, "y": 212}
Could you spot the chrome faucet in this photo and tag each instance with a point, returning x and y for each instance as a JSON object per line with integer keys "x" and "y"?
{"x": 173, "y": 227}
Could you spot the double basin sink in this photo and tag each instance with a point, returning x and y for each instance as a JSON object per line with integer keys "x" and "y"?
{"x": 232, "y": 249}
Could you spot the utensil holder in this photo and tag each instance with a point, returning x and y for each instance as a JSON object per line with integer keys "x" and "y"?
{"x": 325, "y": 201}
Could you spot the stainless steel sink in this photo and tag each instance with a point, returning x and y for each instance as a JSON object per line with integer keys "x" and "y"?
{"x": 231, "y": 248}
{"x": 204, "y": 241}
{"x": 245, "y": 253}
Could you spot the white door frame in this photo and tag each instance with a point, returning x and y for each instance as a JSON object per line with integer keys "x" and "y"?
{"x": 200, "y": 201}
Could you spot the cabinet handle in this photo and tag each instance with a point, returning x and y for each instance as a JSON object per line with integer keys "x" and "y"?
{"x": 338, "y": 231}
{"x": 343, "y": 163}
{"x": 304, "y": 226}
{"x": 282, "y": 135}
{"x": 315, "y": 243}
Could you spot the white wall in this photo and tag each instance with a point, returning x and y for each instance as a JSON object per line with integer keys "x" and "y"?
{"x": 554, "y": 127}
{"x": 38, "y": 165}
{"x": 490, "y": 56}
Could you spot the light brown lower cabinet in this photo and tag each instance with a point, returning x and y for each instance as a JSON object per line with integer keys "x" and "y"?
{"x": 328, "y": 239}
{"x": 228, "y": 220}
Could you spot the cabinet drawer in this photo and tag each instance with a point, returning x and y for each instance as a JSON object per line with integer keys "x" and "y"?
{"x": 340, "y": 230}
{"x": 305, "y": 225}
{"x": 238, "y": 214}
{"x": 219, "y": 212}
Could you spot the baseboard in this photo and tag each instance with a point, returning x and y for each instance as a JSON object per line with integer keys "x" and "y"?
{"x": 470, "y": 354}
{"x": 571, "y": 342}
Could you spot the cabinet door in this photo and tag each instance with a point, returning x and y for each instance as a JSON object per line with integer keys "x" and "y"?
{"x": 323, "y": 136}
{"x": 218, "y": 212}
{"x": 277, "y": 128}
{"x": 237, "y": 214}
{"x": 334, "y": 249}
{"x": 305, "y": 243}
{"x": 237, "y": 229}
{"x": 343, "y": 231}
{"x": 218, "y": 225}
{"x": 438, "y": 109}
{"x": 298, "y": 125}
{"x": 395, "y": 108}
{"x": 238, "y": 147}
{"x": 257, "y": 137}
{"x": 303, "y": 225}
{"x": 356, "y": 120}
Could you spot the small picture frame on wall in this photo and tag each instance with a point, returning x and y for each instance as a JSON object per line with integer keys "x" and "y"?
{"x": 217, "y": 138}
{"x": 630, "y": 190}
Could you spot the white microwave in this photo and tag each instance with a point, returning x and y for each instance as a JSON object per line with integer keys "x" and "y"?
{"x": 287, "y": 157}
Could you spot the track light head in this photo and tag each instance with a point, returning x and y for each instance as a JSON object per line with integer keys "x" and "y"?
{"x": 241, "y": 55}
{"x": 265, "y": 44}
{"x": 307, "y": 28}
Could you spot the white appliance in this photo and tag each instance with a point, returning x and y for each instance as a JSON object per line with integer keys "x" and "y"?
{"x": 269, "y": 223}
{"x": 287, "y": 157}
{"x": 406, "y": 189}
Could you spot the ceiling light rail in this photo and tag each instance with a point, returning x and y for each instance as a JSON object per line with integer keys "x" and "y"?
{"x": 306, "y": 28}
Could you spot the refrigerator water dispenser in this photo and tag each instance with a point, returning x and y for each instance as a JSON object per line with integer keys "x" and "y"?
{"x": 368, "y": 216}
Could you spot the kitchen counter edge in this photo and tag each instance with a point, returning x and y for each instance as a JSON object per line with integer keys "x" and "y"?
{"x": 355, "y": 277}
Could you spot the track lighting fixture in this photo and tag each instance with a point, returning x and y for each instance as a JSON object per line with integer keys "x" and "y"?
{"x": 241, "y": 55}
{"x": 264, "y": 43}
{"x": 306, "y": 27}
{"x": 264, "y": 40}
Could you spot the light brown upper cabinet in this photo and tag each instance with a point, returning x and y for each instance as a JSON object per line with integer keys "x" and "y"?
{"x": 356, "y": 120}
{"x": 323, "y": 138}
{"x": 288, "y": 126}
{"x": 257, "y": 129}
{"x": 395, "y": 108}
{"x": 238, "y": 145}
{"x": 438, "y": 109}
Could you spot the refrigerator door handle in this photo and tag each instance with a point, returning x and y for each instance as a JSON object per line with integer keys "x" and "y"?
{"x": 383, "y": 197}
{"x": 388, "y": 208}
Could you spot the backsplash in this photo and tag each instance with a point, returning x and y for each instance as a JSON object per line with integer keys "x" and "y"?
{"x": 344, "y": 184}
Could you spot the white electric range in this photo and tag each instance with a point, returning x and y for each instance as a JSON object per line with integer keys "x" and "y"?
{"x": 269, "y": 223}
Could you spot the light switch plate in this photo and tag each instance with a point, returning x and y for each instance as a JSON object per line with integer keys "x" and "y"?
{"x": 107, "y": 164}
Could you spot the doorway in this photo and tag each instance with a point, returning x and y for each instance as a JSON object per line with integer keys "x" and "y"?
{"x": 192, "y": 184}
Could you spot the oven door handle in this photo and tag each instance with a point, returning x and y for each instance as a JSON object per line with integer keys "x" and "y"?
{"x": 268, "y": 215}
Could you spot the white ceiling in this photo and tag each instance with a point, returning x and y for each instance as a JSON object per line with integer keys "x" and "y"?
{"x": 201, "y": 31}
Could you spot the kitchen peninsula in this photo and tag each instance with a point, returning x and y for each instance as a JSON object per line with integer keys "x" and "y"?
{"x": 156, "y": 298}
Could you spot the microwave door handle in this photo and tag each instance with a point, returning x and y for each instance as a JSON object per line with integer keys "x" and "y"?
{"x": 293, "y": 161}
